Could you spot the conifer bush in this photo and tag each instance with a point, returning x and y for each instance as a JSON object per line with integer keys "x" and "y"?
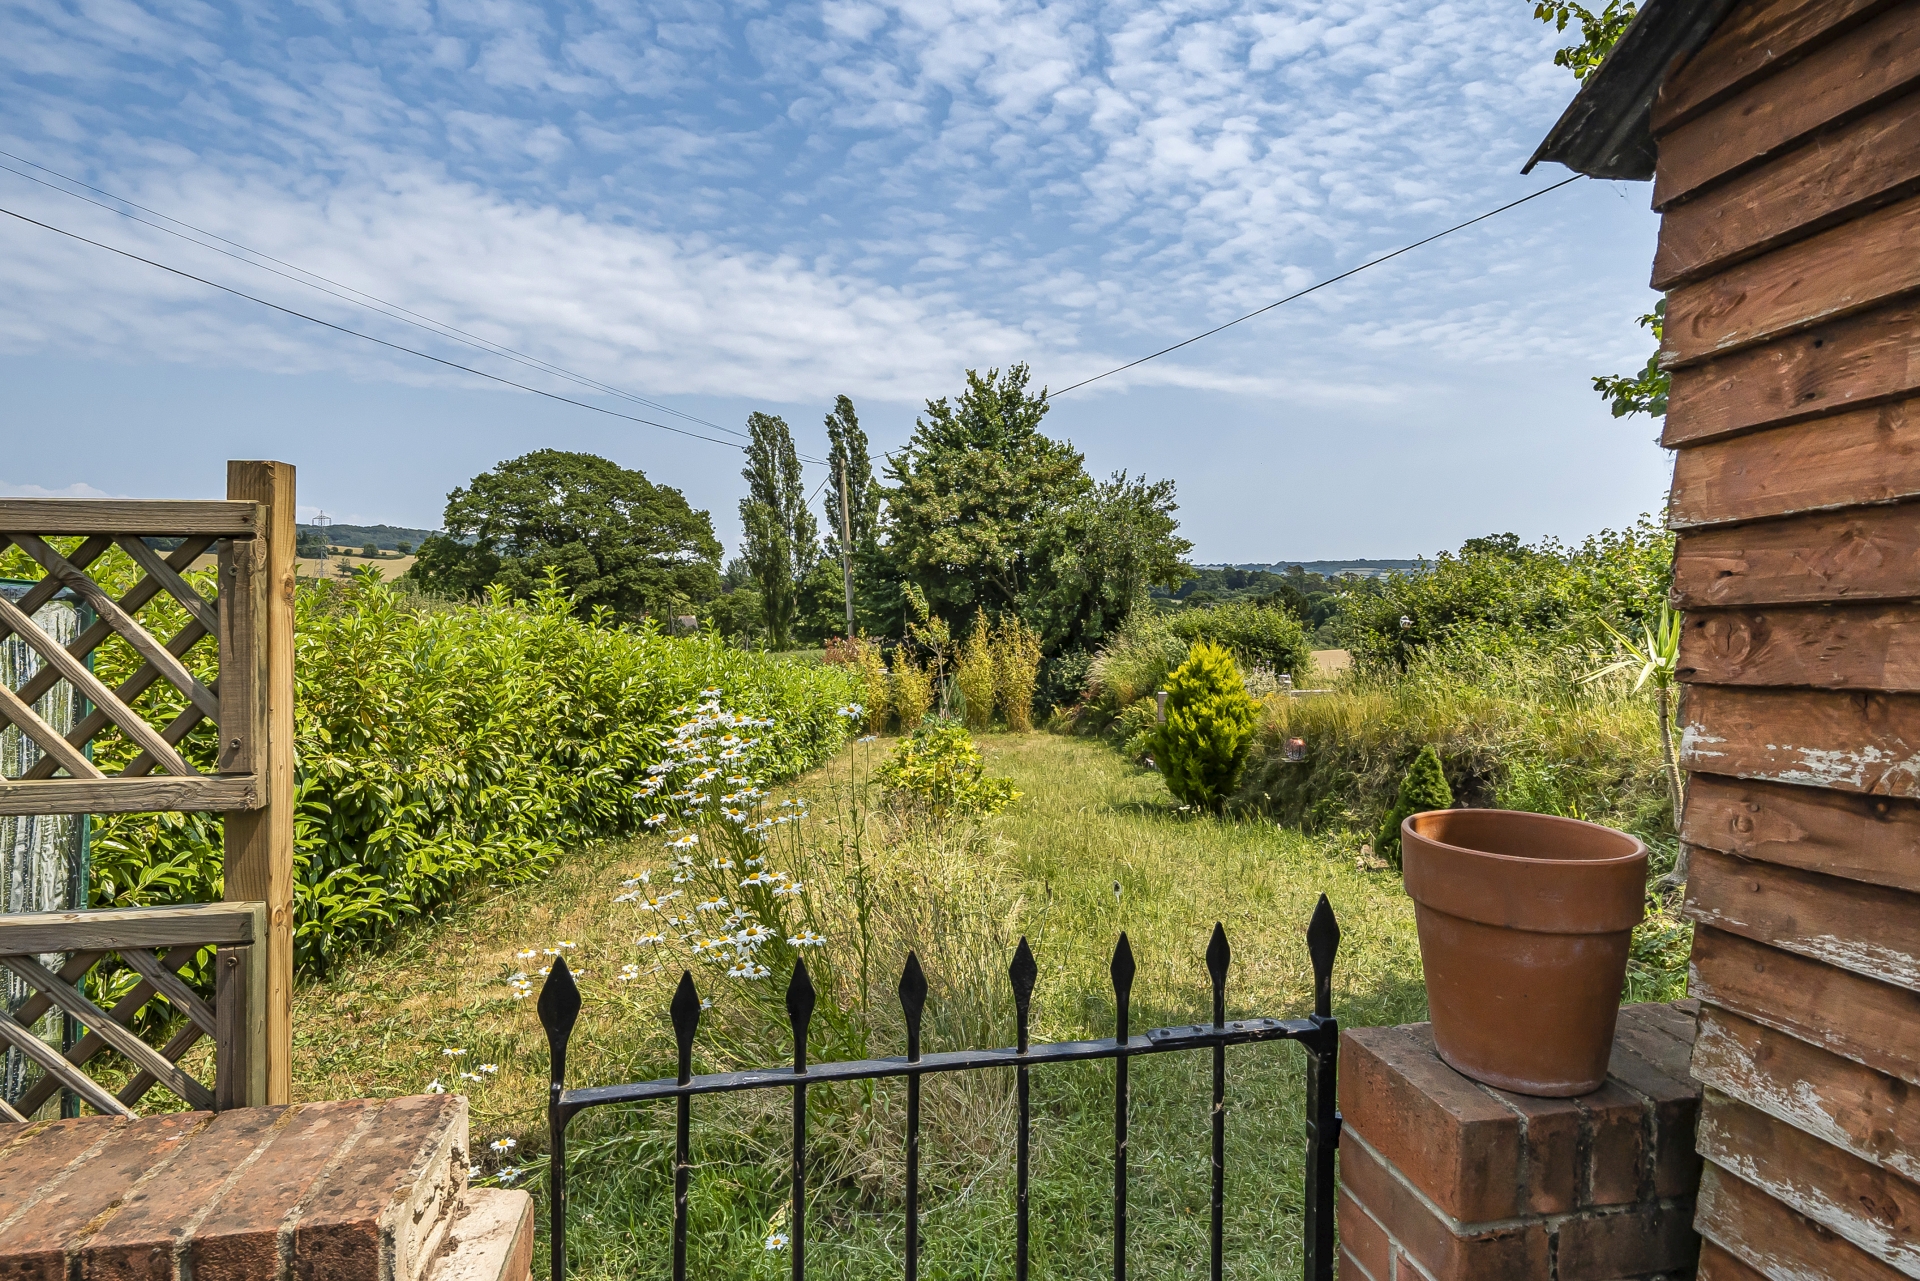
{"x": 1424, "y": 788}
{"x": 1210, "y": 721}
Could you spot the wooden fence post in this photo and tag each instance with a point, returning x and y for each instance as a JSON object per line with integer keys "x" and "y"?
{"x": 259, "y": 843}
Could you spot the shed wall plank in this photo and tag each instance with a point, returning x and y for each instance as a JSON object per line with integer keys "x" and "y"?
{"x": 1874, "y": 1209}
{"x": 1836, "y": 1100}
{"x": 1862, "y": 360}
{"x": 1867, "y": 554}
{"x": 1843, "y": 78}
{"x": 1851, "y": 742}
{"x": 1874, "y": 839}
{"x": 1845, "y": 269}
{"x": 1754, "y": 41}
{"x": 1875, "y": 1024}
{"x": 1868, "y": 929}
{"x": 1776, "y": 1240}
{"x": 1829, "y": 178}
{"x": 1849, "y": 647}
{"x": 1859, "y": 458}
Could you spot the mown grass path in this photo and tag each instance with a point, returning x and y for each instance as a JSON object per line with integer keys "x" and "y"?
{"x": 1092, "y": 847}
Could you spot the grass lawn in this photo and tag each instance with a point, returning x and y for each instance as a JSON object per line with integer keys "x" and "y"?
{"x": 1092, "y": 847}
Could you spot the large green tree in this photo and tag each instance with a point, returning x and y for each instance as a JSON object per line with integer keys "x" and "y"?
{"x": 1097, "y": 556}
{"x": 969, "y": 490}
{"x": 782, "y": 539}
{"x": 616, "y": 538}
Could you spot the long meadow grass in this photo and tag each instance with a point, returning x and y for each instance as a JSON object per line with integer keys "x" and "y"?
{"x": 1091, "y": 847}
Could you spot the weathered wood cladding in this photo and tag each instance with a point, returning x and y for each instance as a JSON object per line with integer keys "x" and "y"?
{"x": 1868, "y": 929}
{"x": 1874, "y": 1024}
{"x": 1874, "y": 1209}
{"x": 1789, "y": 184}
{"x": 1875, "y": 839}
{"x": 1753, "y": 42}
{"x": 1835, "y": 176}
{"x": 1835, "y": 82}
{"x": 1848, "y": 647}
{"x": 1862, "y": 360}
{"x": 1814, "y": 1091}
{"x": 1847, "y": 741}
{"x": 1859, "y": 264}
{"x": 1853, "y": 459}
{"x": 1864, "y": 554}
{"x": 1776, "y": 1239}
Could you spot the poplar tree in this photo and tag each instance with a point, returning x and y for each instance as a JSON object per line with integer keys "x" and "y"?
{"x": 782, "y": 538}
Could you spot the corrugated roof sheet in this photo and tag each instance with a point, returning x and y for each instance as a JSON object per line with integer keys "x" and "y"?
{"x": 1606, "y": 131}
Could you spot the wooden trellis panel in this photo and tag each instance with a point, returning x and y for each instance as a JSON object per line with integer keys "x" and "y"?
{"x": 155, "y": 943}
{"x": 159, "y": 777}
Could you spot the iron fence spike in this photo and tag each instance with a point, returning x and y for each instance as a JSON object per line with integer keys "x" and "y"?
{"x": 686, "y": 1021}
{"x": 1323, "y": 941}
{"x": 1219, "y": 958}
{"x": 1122, "y": 968}
{"x": 800, "y": 1002}
{"x": 913, "y": 1001}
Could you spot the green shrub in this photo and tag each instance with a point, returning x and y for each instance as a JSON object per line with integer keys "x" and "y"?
{"x": 1424, "y": 788}
{"x": 441, "y": 747}
{"x": 1210, "y": 721}
{"x": 1136, "y": 664}
{"x": 1514, "y": 727}
{"x": 1497, "y": 591}
{"x": 937, "y": 772}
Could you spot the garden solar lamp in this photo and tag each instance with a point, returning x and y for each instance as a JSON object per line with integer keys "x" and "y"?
{"x": 1160, "y": 707}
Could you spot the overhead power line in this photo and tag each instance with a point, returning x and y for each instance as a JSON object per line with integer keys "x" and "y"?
{"x": 1351, "y": 271}
{"x": 381, "y": 342}
{"x": 359, "y": 297}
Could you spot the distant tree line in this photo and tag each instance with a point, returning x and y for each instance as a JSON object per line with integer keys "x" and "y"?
{"x": 980, "y": 514}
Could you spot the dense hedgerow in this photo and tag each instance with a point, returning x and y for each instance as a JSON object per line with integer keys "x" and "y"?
{"x": 441, "y": 747}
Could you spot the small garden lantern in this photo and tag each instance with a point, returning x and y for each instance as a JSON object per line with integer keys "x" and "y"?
{"x": 1160, "y": 707}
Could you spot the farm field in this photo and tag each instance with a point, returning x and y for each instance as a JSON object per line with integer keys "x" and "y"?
{"x": 1093, "y": 846}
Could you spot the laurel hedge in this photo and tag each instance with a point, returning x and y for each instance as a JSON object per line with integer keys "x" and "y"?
{"x": 443, "y": 748}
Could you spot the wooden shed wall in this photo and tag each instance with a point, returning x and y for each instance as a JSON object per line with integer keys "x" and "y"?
{"x": 1789, "y": 187}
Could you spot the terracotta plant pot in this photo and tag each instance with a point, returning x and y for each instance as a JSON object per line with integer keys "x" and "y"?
{"x": 1525, "y": 921}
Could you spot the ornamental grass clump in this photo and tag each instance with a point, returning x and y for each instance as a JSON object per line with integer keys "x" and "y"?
{"x": 1424, "y": 788}
{"x": 1016, "y": 667}
{"x": 974, "y": 673}
{"x": 1210, "y": 722}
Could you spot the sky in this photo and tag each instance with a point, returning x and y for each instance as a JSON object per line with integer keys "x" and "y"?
{"x": 729, "y": 207}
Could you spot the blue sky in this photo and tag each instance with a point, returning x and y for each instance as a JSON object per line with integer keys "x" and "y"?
{"x": 729, "y": 207}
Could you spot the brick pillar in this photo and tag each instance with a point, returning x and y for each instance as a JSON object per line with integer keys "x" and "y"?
{"x": 1442, "y": 1177}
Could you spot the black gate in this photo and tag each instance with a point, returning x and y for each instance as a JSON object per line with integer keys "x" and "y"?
{"x": 1318, "y": 1033}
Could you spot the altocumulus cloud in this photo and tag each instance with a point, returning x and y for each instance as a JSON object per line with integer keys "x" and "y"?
{"x": 787, "y": 201}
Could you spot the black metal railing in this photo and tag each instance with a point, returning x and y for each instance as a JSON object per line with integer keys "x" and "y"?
{"x": 1318, "y": 1033}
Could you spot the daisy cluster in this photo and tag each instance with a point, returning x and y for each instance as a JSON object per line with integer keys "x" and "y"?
{"x": 717, "y": 825}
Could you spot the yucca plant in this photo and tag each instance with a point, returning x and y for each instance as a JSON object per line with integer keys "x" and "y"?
{"x": 1658, "y": 659}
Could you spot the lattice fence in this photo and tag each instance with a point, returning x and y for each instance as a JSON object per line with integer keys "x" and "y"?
{"x": 154, "y": 943}
{"x": 158, "y": 777}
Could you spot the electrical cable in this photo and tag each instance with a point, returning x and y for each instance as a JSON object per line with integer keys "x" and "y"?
{"x": 355, "y": 333}
{"x": 1351, "y": 271}
{"x": 385, "y": 307}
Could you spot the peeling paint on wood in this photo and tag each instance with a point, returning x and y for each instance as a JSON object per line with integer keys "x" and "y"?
{"x": 1876, "y": 1210}
{"x": 1875, "y": 1024}
{"x": 1778, "y": 1241}
{"x": 1863, "y": 928}
{"x": 1837, "y": 1100}
{"x": 1856, "y": 742}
